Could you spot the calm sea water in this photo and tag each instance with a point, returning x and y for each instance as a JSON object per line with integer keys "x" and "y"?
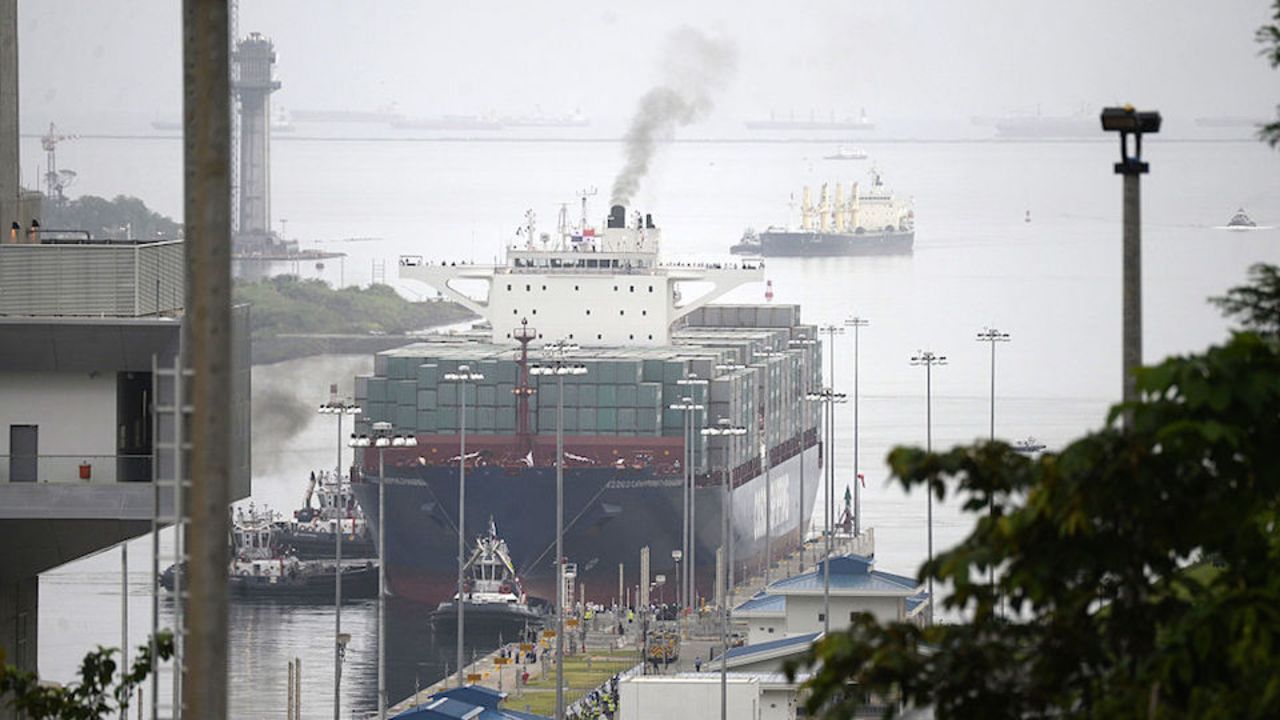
{"x": 1053, "y": 283}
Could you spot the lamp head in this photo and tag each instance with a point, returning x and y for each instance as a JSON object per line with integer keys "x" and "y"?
{"x": 1126, "y": 119}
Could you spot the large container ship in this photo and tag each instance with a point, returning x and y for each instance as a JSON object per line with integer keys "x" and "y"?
{"x": 641, "y": 335}
{"x": 862, "y": 223}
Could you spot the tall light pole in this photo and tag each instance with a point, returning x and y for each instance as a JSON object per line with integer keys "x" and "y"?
{"x": 731, "y": 461}
{"x": 993, "y": 336}
{"x": 559, "y": 367}
{"x": 463, "y": 376}
{"x": 829, "y": 400}
{"x": 803, "y": 344}
{"x": 766, "y": 459}
{"x": 382, "y": 438}
{"x": 829, "y": 497}
{"x": 338, "y": 407}
{"x": 856, "y": 323}
{"x": 929, "y": 359}
{"x": 725, "y": 428}
{"x": 687, "y": 407}
{"x": 1128, "y": 122}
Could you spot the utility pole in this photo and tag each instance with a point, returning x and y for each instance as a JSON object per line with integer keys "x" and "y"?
{"x": 993, "y": 336}
{"x": 338, "y": 407}
{"x": 725, "y": 428}
{"x": 803, "y": 344}
{"x": 207, "y": 329}
{"x": 828, "y": 399}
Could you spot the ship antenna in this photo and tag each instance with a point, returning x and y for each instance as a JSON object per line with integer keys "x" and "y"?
{"x": 529, "y": 221}
{"x": 523, "y": 391}
{"x": 584, "y": 194}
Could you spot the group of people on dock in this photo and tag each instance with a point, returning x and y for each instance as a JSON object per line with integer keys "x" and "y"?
{"x": 599, "y": 704}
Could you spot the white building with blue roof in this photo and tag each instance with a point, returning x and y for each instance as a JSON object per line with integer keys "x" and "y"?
{"x": 793, "y": 606}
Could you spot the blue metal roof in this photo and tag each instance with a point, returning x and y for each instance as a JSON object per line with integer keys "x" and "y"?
{"x": 473, "y": 702}
{"x": 762, "y": 603}
{"x": 917, "y": 600}
{"x": 475, "y": 695}
{"x": 850, "y": 575}
{"x": 799, "y": 641}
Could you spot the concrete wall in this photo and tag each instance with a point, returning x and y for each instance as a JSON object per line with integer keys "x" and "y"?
{"x": 76, "y": 414}
{"x": 644, "y": 698}
{"x": 803, "y": 611}
{"x": 765, "y": 629}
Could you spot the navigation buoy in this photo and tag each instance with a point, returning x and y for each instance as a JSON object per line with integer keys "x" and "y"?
{"x": 768, "y": 290}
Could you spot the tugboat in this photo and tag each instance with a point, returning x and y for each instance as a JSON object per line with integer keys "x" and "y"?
{"x": 261, "y": 567}
{"x": 1241, "y": 221}
{"x": 311, "y": 532}
{"x": 493, "y": 595}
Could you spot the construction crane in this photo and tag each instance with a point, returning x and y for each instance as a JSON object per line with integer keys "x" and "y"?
{"x": 55, "y": 181}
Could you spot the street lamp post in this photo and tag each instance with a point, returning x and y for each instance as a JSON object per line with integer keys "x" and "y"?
{"x": 829, "y": 400}
{"x": 463, "y": 376}
{"x": 1128, "y": 122}
{"x": 688, "y": 407}
{"x": 382, "y": 438}
{"x": 928, "y": 359}
{"x": 993, "y": 336}
{"x": 724, "y": 428}
{"x": 339, "y": 408}
{"x": 766, "y": 459}
{"x": 559, "y": 367}
{"x": 803, "y": 343}
{"x": 856, "y": 323}
{"x": 731, "y": 460}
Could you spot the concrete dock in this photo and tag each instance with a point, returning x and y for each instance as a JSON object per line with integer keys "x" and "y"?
{"x": 607, "y": 653}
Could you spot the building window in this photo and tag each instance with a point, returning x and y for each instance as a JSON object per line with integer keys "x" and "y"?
{"x": 528, "y": 288}
{"x": 544, "y": 288}
{"x": 650, "y": 288}
{"x": 633, "y": 288}
{"x": 535, "y": 311}
{"x": 599, "y": 336}
{"x": 644, "y": 312}
{"x": 821, "y": 617}
{"x": 588, "y": 311}
{"x": 770, "y": 631}
{"x": 575, "y": 288}
{"x": 650, "y": 337}
{"x": 515, "y": 312}
{"x": 508, "y": 287}
{"x": 615, "y": 288}
{"x": 631, "y": 337}
{"x": 622, "y": 312}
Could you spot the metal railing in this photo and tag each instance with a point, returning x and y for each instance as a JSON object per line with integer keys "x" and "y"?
{"x": 75, "y": 469}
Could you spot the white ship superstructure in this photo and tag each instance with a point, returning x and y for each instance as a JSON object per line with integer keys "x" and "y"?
{"x": 606, "y": 287}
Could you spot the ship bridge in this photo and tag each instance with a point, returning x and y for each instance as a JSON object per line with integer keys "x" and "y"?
{"x": 594, "y": 289}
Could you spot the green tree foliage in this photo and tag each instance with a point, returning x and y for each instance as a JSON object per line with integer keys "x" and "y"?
{"x": 1256, "y": 305}
{"x": 108, "y": 218}
{"x": 1141, "y": 567}
{"x": 1269, "y": 37}
{"x": 286, "y": 304}
{"x": 99, "y": 694}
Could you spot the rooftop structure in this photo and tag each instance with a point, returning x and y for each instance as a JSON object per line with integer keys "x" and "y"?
{"x": 62, "y": 278}
{"x": 793, "y": 607}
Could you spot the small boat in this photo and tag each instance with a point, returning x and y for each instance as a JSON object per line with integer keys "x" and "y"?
{"x": 493, "y": 595}
{"x": 848, "y": 153}
{"x": 310, "y": 535}
{"x": 261, "y": 567}
{"x": 1241, "y": 221}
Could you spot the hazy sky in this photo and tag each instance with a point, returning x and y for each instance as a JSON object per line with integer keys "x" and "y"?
{"x": 938, "y": 59}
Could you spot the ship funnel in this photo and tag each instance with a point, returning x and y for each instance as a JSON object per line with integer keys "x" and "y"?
{"x": 617, "y": 217}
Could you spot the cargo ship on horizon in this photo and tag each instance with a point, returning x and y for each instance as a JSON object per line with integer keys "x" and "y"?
{"x": 646, "y": 341}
